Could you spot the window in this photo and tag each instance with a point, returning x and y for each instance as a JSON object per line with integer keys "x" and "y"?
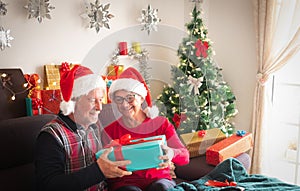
{"x": 282, "y": 157}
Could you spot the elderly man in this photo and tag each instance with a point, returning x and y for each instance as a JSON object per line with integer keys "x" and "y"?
{"x": 66, "y": 147}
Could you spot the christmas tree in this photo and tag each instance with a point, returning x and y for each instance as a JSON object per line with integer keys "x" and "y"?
{"x": 199, "y": 98}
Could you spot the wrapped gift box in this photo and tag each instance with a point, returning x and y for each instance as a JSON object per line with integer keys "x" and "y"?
{"x": 51, "y": 100}
{"x": 143, "y": 153}
{"x": 115, "y": 70}
{"x": 197, "y": 144}
{"x": 52, "y": 76}
{"x": 35, "y": 98}
{"x": 229, "y": 147}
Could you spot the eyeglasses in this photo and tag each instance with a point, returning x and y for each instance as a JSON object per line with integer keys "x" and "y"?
{"x": 129, "y": 98}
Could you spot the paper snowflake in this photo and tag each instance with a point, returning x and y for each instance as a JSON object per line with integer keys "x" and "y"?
{"x": 149, "y": 19}
{"x": 3, "y": 9}
{"x": 5, "y": 38}
{"x": 39, "y": 9}
{"x": 99, "y": 15}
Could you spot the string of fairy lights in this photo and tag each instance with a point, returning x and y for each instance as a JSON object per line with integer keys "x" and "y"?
{"x": 7, "y": 85}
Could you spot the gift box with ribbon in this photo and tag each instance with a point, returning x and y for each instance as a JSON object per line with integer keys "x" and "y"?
{"x": 52, "y": 76}
{"x": 143, "y": 153}
{"x": 36, "y": 103}
{"x": 115, "y": 70}
{"x": 197, "y": 142}
{"x": 229, "y": 147}
{"x": 51, "y": 100}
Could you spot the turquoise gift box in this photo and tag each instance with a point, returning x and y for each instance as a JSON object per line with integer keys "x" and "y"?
{"x": 143, "y": 153}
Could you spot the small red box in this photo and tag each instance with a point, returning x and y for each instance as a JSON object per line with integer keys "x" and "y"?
{"x": 123, "y": 48}
{"x": 51, "y": 100}
{"x": 229, "y": 147}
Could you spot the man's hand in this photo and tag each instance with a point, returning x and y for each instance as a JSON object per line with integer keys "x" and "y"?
{"x": 111, "y": 169}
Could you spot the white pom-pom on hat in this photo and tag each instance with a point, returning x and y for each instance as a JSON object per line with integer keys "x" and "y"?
{"x": 131, "y": 80}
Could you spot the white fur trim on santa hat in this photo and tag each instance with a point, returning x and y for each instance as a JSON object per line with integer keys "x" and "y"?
{"x": 127, "y": 84}
{"x": 67, "y": 107}
{"x": 82, "y": 86}
{"x": 151, "y": 112}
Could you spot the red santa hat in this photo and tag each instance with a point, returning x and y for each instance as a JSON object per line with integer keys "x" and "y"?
{"x": 75, "y": 82}
{"x": 131, "y": 80}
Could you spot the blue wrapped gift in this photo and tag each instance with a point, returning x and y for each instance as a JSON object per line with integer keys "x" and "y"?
{"x": 143, "y": 153}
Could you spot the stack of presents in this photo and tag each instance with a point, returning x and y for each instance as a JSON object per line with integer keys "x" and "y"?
{"x": 47, "y": 100}
{"x": 215, "y": 145}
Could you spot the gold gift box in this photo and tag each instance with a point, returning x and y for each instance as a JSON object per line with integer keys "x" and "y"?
{"x": 115, "y": 70}
{"x": 52, "y": 76}
{"x": 196, "y": 145}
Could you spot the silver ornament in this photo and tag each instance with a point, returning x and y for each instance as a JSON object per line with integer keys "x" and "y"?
{"x": 39, "y": 9}
{"x": 149, "y": 19}
{"x": 99, "y": 15}
{"x": 5, "y": 38}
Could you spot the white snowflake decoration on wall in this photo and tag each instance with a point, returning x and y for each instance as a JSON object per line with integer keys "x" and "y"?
{"x": 5, "y": 38}
{"x": 39, "y": 9}
{"x": 99, "y": 15}
{"x": 149, "y": 19}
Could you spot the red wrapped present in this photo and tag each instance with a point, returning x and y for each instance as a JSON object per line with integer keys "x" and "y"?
{"x": 36, "y": 101}
{"x": 51, "y": 100}
{"x": 37, "y": 105}
{"x": 197, "y": 142}
{"x": 229, "y": 147}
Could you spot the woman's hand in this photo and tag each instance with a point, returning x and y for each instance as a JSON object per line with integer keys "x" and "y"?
{"x": 111, "y": 169}
{"x": 167, "y": 157}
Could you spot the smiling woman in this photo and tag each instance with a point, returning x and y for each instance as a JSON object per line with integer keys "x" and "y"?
{"x": 142, "y": 123}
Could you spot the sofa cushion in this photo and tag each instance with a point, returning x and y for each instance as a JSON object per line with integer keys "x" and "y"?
{"x": 18, "y": 138}
{"x": 17, "y": 151}
{"x": 194, "y": 170}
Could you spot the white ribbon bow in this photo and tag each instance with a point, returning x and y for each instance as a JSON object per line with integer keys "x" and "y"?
{"x": 195, "y": 83}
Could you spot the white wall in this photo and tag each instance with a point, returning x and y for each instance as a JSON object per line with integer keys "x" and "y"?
{"x": 231, "y": 27}
{"x": 64, "y": 38}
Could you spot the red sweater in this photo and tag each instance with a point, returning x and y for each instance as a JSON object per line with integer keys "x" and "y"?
{"x": 150, "y": 127}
